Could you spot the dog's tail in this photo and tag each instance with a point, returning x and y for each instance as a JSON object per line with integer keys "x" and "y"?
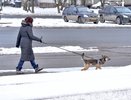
{"x": 83, "y": 56}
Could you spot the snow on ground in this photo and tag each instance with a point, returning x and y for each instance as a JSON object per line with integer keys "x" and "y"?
{"x": 48, "y": 22}
{"x": 69, "y": 84}
{"x": 64, "y": 83}
{"x": 48, "y": 49}
{"x": 38, "y": 11}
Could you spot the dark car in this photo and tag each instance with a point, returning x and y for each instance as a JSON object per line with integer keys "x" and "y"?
{"x": 79, "y": 14}
{"x": 118, "y": 14}
{"x": 129, "y": 7}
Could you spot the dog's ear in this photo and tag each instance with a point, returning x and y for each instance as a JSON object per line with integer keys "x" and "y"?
{"x": 102, "y": 55}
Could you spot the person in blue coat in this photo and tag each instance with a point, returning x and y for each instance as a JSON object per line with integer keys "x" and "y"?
{"x": 24, "y": 40}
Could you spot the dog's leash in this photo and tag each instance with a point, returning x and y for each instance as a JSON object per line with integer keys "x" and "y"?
{"x": 68, "y": 50}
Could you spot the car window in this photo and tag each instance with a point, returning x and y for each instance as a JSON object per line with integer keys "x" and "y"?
{"x": 123, "y": 10}
{"x": 84, "y": 9}
{"x": 107, "y": 9}
{"x": 69, "y": 10}
{"x": 65, "y": 10}
{"x": 112, "y": 10}
{"x": 74, "y": 9}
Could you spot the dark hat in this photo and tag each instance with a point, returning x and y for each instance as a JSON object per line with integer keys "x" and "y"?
{"x": 29, "y": 20}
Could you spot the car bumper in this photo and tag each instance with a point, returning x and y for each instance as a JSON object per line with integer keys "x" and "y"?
{"x": 91, "y": 19}
{"x": 126, "y": 20}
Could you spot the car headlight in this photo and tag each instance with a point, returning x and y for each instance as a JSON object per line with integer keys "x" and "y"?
{"x": 85, "y": 15}
{"x": 125, "y": 16}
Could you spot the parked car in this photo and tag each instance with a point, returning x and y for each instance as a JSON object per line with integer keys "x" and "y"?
{"x": 129, "y": 7}
{"x": 79, "y": 14}
{"x": 118, "y": 14}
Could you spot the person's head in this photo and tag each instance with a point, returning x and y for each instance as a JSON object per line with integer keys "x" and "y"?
{"x": 29, "y": 20}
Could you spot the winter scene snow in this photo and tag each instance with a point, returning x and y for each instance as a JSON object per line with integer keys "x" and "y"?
{"x": 109, "y": 83}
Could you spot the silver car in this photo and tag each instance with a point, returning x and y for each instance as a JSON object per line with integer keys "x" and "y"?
{"x": 79, "y": 14}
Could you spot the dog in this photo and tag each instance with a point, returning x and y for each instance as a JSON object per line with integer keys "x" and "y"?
{"x": 95, "y": 62}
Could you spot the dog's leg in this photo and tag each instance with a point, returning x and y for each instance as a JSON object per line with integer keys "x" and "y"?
{"x": 83, "y": 67}
{"x": 98, "y": 66}
{"x": 86, "y": 66}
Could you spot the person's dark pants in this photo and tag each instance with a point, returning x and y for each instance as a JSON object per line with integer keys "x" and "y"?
{"x": 21, "y": 62}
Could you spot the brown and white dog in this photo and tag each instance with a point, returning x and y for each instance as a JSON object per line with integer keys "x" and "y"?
{"x": 95, "y": 62}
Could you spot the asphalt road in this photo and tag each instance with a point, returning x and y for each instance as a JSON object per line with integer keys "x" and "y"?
{"x": 114, "y": 42}
{"x": 34, "y": 16}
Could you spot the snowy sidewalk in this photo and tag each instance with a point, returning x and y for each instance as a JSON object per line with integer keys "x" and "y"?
{"x": 69, "y": 84}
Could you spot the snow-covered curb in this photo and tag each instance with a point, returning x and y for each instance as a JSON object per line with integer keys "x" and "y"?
{"x": 57, "y": 23}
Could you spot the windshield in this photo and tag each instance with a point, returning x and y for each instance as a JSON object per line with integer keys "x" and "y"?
{"x": 123, "y": 10}
{"x": 83, "y": 9}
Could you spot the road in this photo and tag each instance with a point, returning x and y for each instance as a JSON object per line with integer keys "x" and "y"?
{"x": 34, "y": 16}
{"x": 114, "y": 42}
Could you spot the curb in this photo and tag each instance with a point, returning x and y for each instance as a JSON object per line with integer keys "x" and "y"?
{"x": 5, "y": 22}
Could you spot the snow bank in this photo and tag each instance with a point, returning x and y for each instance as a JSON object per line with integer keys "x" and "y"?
{"x": 48, "y": 22}
{"x": 48, "y": 49}
{"x": 38, "y": 11}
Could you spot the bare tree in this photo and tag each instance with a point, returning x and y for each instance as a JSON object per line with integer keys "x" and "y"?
{"x": 73, "y": 2}
{"x": 63, "y": 4}
{"x": 28, "y": 4}
{"x": 83, "y": 2}
{"x": 25, "y": 5}
{"x": 58, "y": 4}
{"x": 32, "y": 6}
{"x": 102, "y": 3}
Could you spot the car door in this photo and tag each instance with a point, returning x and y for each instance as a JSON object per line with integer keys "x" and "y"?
{"x": 74, "y": 14}
{"x": 112, "y": 14}
{"x": 107, "y": 13}
{"x": 68, "y": 13}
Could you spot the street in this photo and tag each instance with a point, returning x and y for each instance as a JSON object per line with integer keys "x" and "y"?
{"x": 114, "y": 42}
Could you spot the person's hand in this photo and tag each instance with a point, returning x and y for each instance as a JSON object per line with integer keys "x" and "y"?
{"x": 17, "y": 46}
{"x": 41, "y": 41}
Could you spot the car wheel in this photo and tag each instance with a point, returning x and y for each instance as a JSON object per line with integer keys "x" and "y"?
{"x": 118, "y": 20}
{"x": 102, "y": 20}
{"x": 81, "y": 20}
{"x": 96, "y": 22}
{"x": 65, "y": 19}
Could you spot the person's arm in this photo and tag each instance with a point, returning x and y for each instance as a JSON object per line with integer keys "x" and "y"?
{"x": 18, "y": 40}
{"x": 31, "y": 36}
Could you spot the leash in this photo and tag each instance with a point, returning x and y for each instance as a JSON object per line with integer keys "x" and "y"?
{"x": 68, "y": 50}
